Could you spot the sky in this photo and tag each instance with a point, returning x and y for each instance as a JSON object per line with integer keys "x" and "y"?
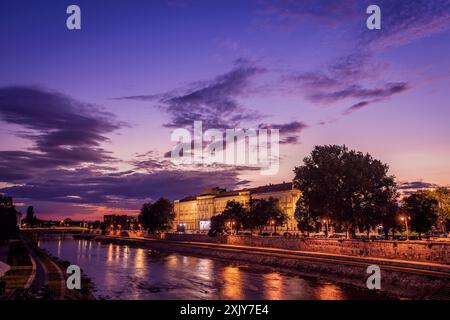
{"x": 86, "y": 115}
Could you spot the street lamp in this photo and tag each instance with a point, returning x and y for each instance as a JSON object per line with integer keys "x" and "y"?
{"x": 326, "y": 221}
{"x": 272, "y": 222}
{"x": 405, "y": 219}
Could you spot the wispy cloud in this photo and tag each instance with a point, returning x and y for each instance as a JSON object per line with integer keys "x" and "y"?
{"x": 347, "y": 78}
{"x": 355, "y": 75}
{"x": 406, "y": 21}
{"x": 64, "y": 132}
{"x": 402, "y": 21}
{"x": 214, "y": 102}
{"x": 93, "y": 187}
{"x": 289, "y": 132}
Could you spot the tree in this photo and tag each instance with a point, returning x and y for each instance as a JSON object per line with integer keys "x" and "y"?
{"x": 157, "y": 216}
{"x": 8, "y": 218}
{"x": 389, "y": 219}
{"x": 306, "y": 219}
{"x": 217, "y": 225}
{"x": 31, "y": 218}
{"x": 442, "y": 195}
{"x": 422, "y": 207}
{"x": 349, "y": 187}
{"x": 235, "y": 213}
{"x": 266, "y": 212}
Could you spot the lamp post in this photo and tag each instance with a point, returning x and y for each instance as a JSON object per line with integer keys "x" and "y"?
{"x": 325, "y": 221}
{"x": 272, "y": 222}
{"x": 405, "y": 219}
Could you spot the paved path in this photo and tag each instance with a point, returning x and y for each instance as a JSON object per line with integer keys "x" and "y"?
{"x": 41, "y": 272}
{"x": 48, "y": 274}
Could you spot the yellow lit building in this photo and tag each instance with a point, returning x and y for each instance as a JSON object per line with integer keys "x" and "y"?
{"x": 194, "y": 213}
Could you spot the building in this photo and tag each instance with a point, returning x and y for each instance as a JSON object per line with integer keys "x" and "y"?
{"x": 114, "y": 221}
{"x": 194, "y": 213}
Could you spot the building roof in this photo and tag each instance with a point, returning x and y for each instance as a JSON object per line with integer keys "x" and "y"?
{"x": 272, "y": 188}
{"x": 222, "y": 193}
{"x": 190, "y": 198}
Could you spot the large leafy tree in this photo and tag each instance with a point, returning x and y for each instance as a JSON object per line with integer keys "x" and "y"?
{"x": 442, "y": 195}
{"x": 217, "y": 225}
{"x": 349, "y": 187}
{"x": 236, "y": 213}
{"x": 157, "y": 216}
{"x": 422, "y": 207}
{"x": 266, "y": 212}
{"x": 307, "y": 221}
{"x": 8, "y": 218}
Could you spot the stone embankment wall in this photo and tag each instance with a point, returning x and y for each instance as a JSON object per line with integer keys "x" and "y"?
{"x": 426, "y": 251}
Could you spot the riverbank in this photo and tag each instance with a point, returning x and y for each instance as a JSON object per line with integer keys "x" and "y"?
{"x": 400, "y": 278}
{"x": 36, "y": 275}
{"x": 424, "y": 251}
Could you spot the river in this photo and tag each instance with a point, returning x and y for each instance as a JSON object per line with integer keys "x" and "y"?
{"x": 126, "y": 272}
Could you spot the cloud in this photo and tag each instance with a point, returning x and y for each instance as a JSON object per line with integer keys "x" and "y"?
{"x": 339, "y": 75}
{"x": 214, "y": 102}
{"x": 405, "y": 185}
{"x": 406, "y": 21}
{"x": 64, "y": 132}
{"x": 151, "y": 161}
{"x": 356, "y": 91}
{"x": 289, "y": 132}
{"x": 407, "y": 188}
{"x": 354, "y": 75}
{"x": 291, "y": 12}
{"x": 350, "y": 76}
{"x": 126, "y": 189}
{"x": 402, "y": 21}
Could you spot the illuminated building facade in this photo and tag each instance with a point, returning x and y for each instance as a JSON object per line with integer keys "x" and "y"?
{"x": 194, "y": 213}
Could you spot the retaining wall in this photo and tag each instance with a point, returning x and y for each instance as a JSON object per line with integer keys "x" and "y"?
{"x": 427, "y": 251}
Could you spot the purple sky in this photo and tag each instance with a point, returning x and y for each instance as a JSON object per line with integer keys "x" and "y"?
{"x": 86, "y": 116}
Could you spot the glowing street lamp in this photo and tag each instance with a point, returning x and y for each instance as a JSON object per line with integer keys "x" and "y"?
{"x": 405, "y": 219}
{"x": 272, "y": 223}
{"x": 326, "y": 222}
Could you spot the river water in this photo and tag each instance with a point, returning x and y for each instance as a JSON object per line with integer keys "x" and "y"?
{"x": 124, "y": 272}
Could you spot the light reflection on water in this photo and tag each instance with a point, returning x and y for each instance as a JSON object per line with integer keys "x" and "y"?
{"x": 124, "y": 272}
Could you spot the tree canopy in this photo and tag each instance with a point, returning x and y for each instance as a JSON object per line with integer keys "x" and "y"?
{"x": 235, "y": 213}
{"x": 442, "y": 195}
{"x": 258, "y": 213}
{"x": 351, "y": 188}
{"x": 422, "y": 208}
{"x": 157, "y": 216}
{"x": 307, "y": 220}
{"x": 8, "y": 218}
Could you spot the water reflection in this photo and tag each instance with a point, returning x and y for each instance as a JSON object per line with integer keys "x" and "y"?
{"x": 139, "y": 262}
{"x": 329, "y": 292}
{"x": 232, "y": 288}
{"x": 273, "y": 286}
{"x": 124, "y": 272}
